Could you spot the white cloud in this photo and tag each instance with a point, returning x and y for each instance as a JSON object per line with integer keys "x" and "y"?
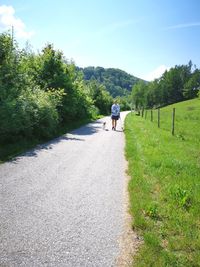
{"x": 156, "y": 73}
{"x": 184, "y": 25}
{"x": 8, "y": 19}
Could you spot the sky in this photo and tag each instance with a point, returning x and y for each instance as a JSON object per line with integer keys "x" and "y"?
{"x": 141, "y": 37}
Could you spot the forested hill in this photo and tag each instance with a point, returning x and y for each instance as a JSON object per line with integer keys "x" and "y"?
{"x": 116, "y": 81}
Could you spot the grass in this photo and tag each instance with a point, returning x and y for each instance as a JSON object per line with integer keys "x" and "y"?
{"x": 187, "y": 117}
{"x": 165, "y": 186}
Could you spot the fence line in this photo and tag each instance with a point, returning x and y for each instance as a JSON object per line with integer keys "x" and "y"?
{"x": 145, "y": 112}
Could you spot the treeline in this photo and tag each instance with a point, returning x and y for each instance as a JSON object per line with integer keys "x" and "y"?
{"x": 41, "y": 92}
{"x": 178, "y": 84}
{"x": 116, "y": 81}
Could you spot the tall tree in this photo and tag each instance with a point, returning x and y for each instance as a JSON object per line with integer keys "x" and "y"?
{"x": 101, "y": 97}
{"x": 192, "y": 86}
{"x": 10, "y": 79}
{"x": 139, "y": 92}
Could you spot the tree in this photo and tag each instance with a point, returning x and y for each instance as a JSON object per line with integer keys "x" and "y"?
{"x": 100, "y": 96}
{"x": 173, "y": 81}
{"x": 139, "y": 93}
{"x": 25, "y": 110}
{"x": 52, "y": 72}
{"x": 192, "y": 86}
{"x": 10, "y": 79}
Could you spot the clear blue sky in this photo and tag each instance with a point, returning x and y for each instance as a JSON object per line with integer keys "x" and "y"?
{"x": 141, "y": 37}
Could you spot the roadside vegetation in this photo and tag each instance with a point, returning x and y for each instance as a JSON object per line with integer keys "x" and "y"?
{"x": 43, "y": 95}
{"x": 165, "y": 185}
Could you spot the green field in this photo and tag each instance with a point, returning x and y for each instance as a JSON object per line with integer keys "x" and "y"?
{"x": 165, "y": 185}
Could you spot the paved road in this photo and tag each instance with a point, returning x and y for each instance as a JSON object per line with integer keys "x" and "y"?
{"x": 62, "y": 203}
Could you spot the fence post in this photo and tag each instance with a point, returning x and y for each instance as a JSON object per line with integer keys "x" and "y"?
{"x": 145, "y": 114}
{"x": 151, "y": 115}
{"x": 158, "y": 117}
{"x": 142, "y": 112}
{"x": 173, "y": 120}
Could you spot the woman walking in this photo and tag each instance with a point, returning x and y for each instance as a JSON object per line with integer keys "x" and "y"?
{"x": 115, "y": 114}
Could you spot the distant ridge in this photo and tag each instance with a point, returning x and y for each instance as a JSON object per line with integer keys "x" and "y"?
{"x": 116, "y": 81}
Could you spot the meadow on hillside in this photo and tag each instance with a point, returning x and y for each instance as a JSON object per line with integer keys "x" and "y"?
{"x": 187, "y": 119}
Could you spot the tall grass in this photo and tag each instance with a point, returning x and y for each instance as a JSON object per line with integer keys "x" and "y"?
{"x": 165, "y": 186}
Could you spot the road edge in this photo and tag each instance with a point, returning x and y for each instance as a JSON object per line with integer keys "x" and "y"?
{"x": 129, "y": 241}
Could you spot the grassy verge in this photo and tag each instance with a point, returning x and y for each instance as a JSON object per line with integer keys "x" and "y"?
{"x": 165, "y": 188}
{"x": 11, "y": 150}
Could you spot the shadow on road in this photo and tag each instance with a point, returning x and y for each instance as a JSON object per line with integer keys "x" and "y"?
{"x": 89, "y": 129}
{"x": 46, "y": 146}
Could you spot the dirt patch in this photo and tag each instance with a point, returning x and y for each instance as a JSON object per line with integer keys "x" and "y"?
{"x": 129, "y": 242}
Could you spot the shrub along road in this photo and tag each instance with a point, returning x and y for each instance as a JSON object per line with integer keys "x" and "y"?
{"x": 62, "y": 203}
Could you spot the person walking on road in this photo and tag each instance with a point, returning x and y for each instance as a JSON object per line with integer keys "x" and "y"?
{"x": 115, "y": 114}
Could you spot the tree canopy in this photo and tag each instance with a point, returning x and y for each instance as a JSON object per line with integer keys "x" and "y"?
{"x": 180, "y": 83}
{"x": 117, "y": 82}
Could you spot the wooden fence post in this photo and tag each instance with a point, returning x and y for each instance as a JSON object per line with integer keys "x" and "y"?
{"x": 158, "y": 117}
{"x": 151, "y": 115}
{"x": 173, "y": 120}
{"x": 142, "y": 112}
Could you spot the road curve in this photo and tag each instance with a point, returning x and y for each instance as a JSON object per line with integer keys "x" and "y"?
{"x": 62, "y": 203}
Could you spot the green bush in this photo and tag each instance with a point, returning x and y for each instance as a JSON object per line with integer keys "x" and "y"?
{"x": 31, "y": 114}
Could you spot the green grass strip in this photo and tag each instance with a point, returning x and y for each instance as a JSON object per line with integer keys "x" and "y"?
{"x": 165, "y": 191}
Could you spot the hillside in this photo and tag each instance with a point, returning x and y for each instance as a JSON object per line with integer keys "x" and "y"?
{"x": 116, "y": 81}
{"x": 187, "y": 119}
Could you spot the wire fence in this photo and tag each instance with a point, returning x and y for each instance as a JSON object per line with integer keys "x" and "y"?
{"x": 182, "y": 122}
{"x": 155, "y": 117}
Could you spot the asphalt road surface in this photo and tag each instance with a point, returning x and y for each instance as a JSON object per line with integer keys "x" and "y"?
{"x": 61, "y": 204}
